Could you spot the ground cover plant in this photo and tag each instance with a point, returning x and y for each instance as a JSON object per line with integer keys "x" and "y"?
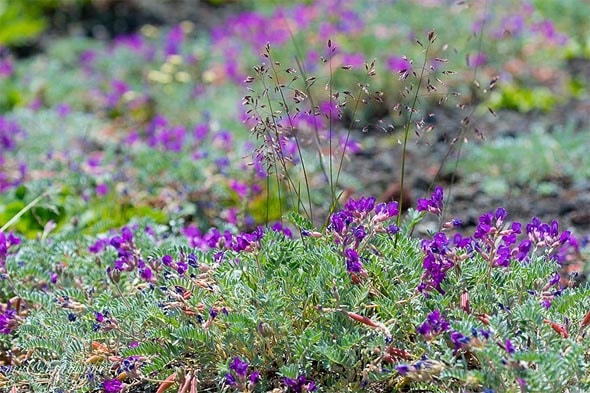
{"x": 175, "y": 215}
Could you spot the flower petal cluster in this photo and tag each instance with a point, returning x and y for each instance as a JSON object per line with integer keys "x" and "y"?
{"x": 434, "y": 325}
{"x": 300, "y": 385}
{"x": 9, "y": 320}
{"x": 112, "y": 386}
{"x": 238, "y": 376}
{"x": 440, "y": 256}
{"x": 433, "y": 205}
{"x": 494, "y": 240}
{"x": 7, "y": 241}
{"x": 355, "y": 224}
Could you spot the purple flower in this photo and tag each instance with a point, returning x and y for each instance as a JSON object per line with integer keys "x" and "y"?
{"x": 167, "y": 260}
{"x": 389, "y": 210}
{"x": 299, "y": 385}
{"x": 174, "y": 40}
{"x": 181, "y": 268}
{"x": 101, "y": 189}
{"x": 509, "y": 347}
{"x": 254, "y": 377}
{"x": 392, "y": 229}
{"x": 146, "y": 274}
{"x": 403, "y": 369}
{"x": 434, "y": 325}
{"x": 239, "y": 366}
{"x": 8, "y": 320}
{"x": 112, "y": 386}
{"x": 434, "y": 204}
{"x": 230, "y": 379}
{"x": 279, "y": 227}
{"x": 360, "y": 206}
{"x": 359, "y": 233}
{"x": 353, "y": 264}
{"x": 400, "y": 65}
{"x": 476, "y": 60}
{"x": 458, "y": 340}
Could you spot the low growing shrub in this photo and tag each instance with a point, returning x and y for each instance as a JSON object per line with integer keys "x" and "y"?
{"x": 344, "y": 309}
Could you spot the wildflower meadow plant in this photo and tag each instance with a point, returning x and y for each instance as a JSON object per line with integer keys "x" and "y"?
{"x": 344, "y": 307}
{"x": 156, "y": 259}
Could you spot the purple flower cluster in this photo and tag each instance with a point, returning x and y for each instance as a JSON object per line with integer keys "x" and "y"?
{"x": 181, "y": 266}
{"x": 300, "y": 385}
{"x": 433, "y": 205}
{"x": 360, "y": 219}
{"x": 7, "y": 241}
{"x": 493, "y": 240}
{"x": 128, "y": 255}
{"x": 440, "y": 256}
{"x": 112, "y": 386}
{"x": 9, "y": 320}
{"x": 434, "y": 325}
{"x": 104, "y": 321}
{"x": 521, "y": 21}
{"x": 214, "y": 239}
{"x": 11, "y": 173}
{"x": 238, "y": 376}
{"x": 161, "y": 134}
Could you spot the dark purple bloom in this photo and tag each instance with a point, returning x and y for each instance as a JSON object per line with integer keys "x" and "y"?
{"x": 254, "y": 377}
{"x": 146, "y": 274}
{"x": 458, "y": 340}
{"x": 434, "y": 204}
{"x": 359, "y": 233}
{"x": 523, "y": 250}
{"x": 112, "y": 386}
{"x": 8, "y": 321}
{"x": 230, "y": 379}
{"x": 509, "y": 347}
{"x": 392, "y": 229}
{"x": 239, "y": 367}
{"x": 353, "y": 264}
{"x": 167, "y": 260}
{"x": 362, "y": 205}
{"x": 403, "y": 369}
{"x": 435, "y": 324}
{"x": 279, "y": 227}
{"x": 299, "y": 385}
{"x": 181, "y": 268}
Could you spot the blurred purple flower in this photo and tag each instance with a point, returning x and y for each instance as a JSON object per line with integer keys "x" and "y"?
{"x": 112, "y": 386}
{"x": 400, "y": 65}
{"x": 476, "y": 60}
{"x": 8, "y": 320}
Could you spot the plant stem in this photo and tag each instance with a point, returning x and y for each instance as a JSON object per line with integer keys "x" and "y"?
{"x": 406, "y": 134}
{"x": 25, "y": 209}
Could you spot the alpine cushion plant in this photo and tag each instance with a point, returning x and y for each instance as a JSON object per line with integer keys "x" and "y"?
{"x": 338, "y": 309}
{"x": 202, "y": 297}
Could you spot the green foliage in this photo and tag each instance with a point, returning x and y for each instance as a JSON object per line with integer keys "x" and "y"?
{"x": 523, "y": 99}
{"x": 20, "y": 22}
{"x": 287, "y": 307}
{"x": 529, "y": 160}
